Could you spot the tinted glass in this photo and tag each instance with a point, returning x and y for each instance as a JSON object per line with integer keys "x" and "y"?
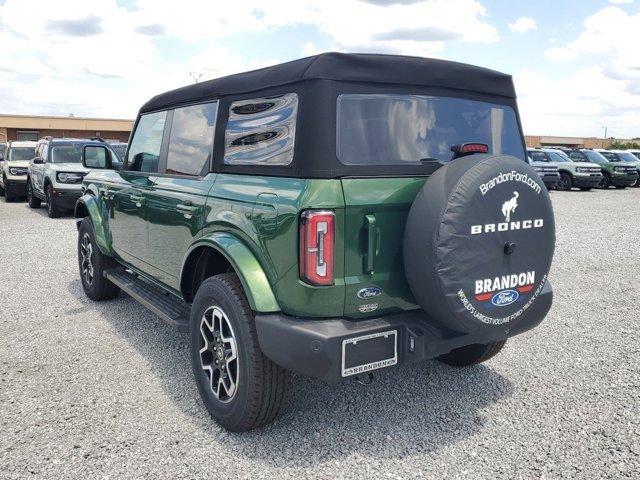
{"x": 578, "y": 157}
{"x": 403, "y": 129}
{"x": 594, "y": 156}
{"x": 66, "y": 153}
{"x": 191, "y": 139}
{"x": 144, "y": 151}
{"x": 612, "y": 157}
{"x": 120, "y": 149}
{"x": 261, "y": 131}
{"x": 21, "y": 153}
{"x": 558, "y": 157}
{"x": 538, "y": 156}
{"x": 627, "y": 157}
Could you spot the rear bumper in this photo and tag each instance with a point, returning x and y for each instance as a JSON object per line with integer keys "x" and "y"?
{"x": 315, "y": 347}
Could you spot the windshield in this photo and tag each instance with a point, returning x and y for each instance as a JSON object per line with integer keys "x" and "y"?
{"x": 627, "y": 157}
{"x": 594, "y": 156}
{"x": 66, "y": 153}
{"x": 21, "y": 153}
{"x": 394, "y": 129}
{"x": 559, "y": 157}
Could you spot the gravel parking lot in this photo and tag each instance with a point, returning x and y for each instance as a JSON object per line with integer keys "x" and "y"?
{"x": 92, "y": 390}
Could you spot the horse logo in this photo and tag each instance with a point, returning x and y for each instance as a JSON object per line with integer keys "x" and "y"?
{"x": 510, "y": 206}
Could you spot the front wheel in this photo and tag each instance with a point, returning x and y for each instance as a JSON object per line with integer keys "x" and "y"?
{"x": 240, "y": 387}
{"x": 34, "y": 202}
{"x": 52, "y": 206}
{"x": 92, "y": 264}
{"x": 8, "y": 194}
{"x": 565, "y": 183}
{"x": 605, "y": 182}
{"x": 472, "y": 354}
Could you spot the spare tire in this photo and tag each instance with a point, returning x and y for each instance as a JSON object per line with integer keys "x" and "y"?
{"x": 478, "y": 243}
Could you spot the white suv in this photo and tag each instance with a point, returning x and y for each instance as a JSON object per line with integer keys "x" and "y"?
{"x": 55, "y": 174}
{"x": 13, "y": 169}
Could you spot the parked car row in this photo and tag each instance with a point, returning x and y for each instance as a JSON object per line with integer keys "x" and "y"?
{"x": 49, "y": 170}
{"x": 567, "y": 168}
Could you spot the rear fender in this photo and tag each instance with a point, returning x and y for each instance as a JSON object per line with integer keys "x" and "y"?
{"x": 246, "y": 266}
{"x": 88, "y": 206}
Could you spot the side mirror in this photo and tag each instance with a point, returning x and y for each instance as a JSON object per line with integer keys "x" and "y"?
{"x": 96, "y": 156}
{"x": 38, "y": 161}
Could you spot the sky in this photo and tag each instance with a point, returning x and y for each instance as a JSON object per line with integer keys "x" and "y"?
{"x": 576, "y": 64}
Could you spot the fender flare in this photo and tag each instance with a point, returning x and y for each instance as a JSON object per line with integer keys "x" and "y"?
{"x": 245, "y": 264}
{"x": 95, "y": 213}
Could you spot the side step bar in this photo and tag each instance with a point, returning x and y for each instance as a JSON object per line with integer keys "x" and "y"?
{"x": 165, "y": 305}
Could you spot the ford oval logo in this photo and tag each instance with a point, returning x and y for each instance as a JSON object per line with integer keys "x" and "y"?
{"x": 504, "y": 298}
{"x": 369, "y": 292}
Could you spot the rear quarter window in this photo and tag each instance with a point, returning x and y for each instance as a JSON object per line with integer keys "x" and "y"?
{"x": 261, "y": 131}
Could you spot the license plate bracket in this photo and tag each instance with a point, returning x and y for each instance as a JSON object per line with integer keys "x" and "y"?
{"x": 369, "y": 352}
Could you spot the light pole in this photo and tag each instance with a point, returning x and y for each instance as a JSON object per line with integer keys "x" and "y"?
{"x": 605, "y": 136}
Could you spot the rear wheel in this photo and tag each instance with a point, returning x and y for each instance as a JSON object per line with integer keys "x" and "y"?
{"x": 52, "y": 207}
{"x": 565, "y": 183}
{"x": 472, "y": 354}
{"x": 34, "y": 202}
{"x": 92, "y": 264}
{"x": 240, "y": 387}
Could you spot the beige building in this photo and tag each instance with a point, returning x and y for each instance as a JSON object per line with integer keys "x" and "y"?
{"x": 30, "y": 127}
{"x": 575, "y": 142}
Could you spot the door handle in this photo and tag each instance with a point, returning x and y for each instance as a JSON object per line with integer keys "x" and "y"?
{"x": 186, "y": 209}
{"x": 372, "y": 243}
{"x": 137, "y": 199}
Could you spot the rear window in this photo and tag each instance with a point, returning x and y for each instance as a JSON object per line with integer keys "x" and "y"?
{"x": 405, "y": 129}
{"x": 21, "y": 153}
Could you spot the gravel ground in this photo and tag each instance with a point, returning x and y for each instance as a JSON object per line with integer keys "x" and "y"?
{"x": 92, "y": 390}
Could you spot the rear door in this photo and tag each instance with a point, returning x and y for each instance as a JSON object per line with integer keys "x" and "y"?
{"x": 177, "y": 198}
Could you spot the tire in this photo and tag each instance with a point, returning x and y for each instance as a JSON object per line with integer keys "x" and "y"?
{"x": 478, "y": 244}
{"x": 92, "y": 263}
{"x": 585, "y": 189}
{"x": 605, "y": 183}
{"x": 52, "y": 207}
{"x": 32, "y": 200}
{"x": 9, "y": 197}
{"x": 472, "y": 354}
{"x": 258, "y": 391}
{"x": 2, "y": 191}
{"x": 566, "y": 182}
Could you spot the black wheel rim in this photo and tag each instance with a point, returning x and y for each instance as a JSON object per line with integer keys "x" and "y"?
{"x": 86, "y": 259}
{"x": 564, "y": 183}
{"x": 219, "y": 354}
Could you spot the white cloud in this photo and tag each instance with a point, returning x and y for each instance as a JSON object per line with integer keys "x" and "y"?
{"x": 620, "y": 1}
{"x": 523, "y": 24}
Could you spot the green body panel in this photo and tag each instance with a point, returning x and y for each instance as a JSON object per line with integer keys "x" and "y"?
{"x": 151, "y": 223}
{"x": 176, "y": 209}
{"x": 98, "y": 214}
{"x": 376, "y": 212}
{"x": 263, "y": 212}
{"x": 253, "y": 278}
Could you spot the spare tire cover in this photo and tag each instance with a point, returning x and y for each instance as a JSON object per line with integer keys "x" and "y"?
{"x": 479, "y": 241}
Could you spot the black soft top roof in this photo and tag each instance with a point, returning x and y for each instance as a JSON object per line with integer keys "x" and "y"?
{"x": 348, "y": 67}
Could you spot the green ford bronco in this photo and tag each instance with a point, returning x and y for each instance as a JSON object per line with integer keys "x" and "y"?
{"x": 329, "y": 216}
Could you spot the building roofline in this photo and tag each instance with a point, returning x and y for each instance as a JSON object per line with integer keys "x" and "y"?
{"x": 60, "y": 117}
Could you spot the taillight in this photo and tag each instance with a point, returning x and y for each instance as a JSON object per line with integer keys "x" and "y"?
{"x": 317, "y": 238}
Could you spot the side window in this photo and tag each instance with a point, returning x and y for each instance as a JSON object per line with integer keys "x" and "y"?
{"x": 261, "y": 131}
{"x": 144, "y": 152}
{"x": 191, "y": 139}
{"x": 577, "y": 156}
